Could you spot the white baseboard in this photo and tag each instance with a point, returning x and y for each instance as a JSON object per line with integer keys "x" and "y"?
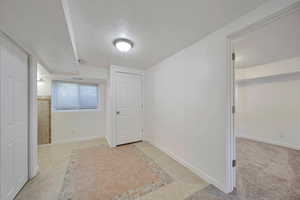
{"x": 109, "y": 142}
{"x": 72, "y": 140}
{"x": 35, "y": 172}
{"x": 195, "y": 170}
{"x": 269, "y": 141}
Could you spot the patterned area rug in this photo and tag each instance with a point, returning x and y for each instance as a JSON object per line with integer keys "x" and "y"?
{"x": 264, "y": 172}
{"x": 122, "y": 173}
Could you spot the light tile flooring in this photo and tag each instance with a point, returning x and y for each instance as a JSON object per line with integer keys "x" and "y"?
{"x": 53, "y": 161}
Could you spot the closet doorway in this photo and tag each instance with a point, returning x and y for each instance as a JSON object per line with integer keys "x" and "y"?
{"x": 44, "y": 120}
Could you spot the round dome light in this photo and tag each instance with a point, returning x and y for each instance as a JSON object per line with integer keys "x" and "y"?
{"x": 123, "y": 45}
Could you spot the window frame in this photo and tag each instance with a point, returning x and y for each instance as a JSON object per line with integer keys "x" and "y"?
{"x": 78, "y": 108}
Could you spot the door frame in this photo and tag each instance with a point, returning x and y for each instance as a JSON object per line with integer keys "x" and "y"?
{"x": 33, "y": 119}
{"x": 126, "y": 70}
{"x": 231, "y": 173}
{"x": 32, "y": 106}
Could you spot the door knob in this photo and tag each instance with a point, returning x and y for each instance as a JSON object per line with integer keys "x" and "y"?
{"x": 118, "y": 112}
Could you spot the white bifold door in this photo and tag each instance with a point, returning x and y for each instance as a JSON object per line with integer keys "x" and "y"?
{"x": 128, "y": 107}
{"x": 14, "y": 120}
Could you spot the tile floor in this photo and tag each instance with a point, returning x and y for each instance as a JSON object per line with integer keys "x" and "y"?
{"x": 53, "y": 161}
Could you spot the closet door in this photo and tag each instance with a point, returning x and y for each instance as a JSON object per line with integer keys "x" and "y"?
{"x": 14, "y": 120}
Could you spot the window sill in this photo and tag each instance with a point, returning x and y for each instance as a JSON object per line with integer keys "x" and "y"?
{"x": 82, "y": 110}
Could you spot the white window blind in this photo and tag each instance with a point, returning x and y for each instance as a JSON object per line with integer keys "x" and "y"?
{"x": 74, "y": 96}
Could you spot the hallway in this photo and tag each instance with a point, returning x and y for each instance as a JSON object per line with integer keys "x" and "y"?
{"x": 54, "y": 159}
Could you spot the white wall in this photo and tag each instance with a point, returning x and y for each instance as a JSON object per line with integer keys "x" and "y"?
{"x": 287, "y": 66}
{"x": 77, "y": 125}
{"x": 44, "y": 87}
{"x": 109, "y": 110}
{"x": 268, "y": 108}
{"x": 33, "y": 119}
{"x": 187, "y": 104}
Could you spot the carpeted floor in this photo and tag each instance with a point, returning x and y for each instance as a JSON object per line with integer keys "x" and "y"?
{"x": 122, "y": 173}
{"x": 212, "y": 193}
{"x": 264, "y": 172}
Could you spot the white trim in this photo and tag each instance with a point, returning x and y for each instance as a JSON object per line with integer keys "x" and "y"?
{"x": 99, "y": 109}
{"x": 270, "y": 141}
{"x": 280, "y": 9}
{"x": 194, "y": 169}
{"x": 33, "y": 119}
{"x": 32, "y": 109}
{"x": 108, "y": 112}
{"x": 67, "y": 13}
{"x": 130, "y": 70}
{"x": 230, "y": 139}
{"x": 118, "y": 69}
{"x": 80, "y": 139}
{"x": 1, "y": 121}
{"x": 273, "y": 17}
{"x": 32, "y": 101}
{"x": 108, "y": 141}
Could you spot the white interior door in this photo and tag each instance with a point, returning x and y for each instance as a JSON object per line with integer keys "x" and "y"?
{"x": 128, "y": 99}
{"x": 14, "y": 120}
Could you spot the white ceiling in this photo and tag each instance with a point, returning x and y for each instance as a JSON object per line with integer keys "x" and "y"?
{"x": 40, "y": 27}
{"x": 276, "y": 41}
{"x": 159, "y": 28}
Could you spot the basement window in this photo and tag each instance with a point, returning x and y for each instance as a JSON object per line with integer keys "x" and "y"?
{"x": 74, "y": 96}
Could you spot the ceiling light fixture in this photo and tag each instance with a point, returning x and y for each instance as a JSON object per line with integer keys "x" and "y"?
{"x": 123, "y": 45}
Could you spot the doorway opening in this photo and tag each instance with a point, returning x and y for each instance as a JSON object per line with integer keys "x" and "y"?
{"x": 266, "y": 142}
{"x": 43, "y": 106}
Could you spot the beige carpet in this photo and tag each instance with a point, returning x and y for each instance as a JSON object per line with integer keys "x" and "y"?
{"x": 103, "y": 173}
{"x": 267, "y": 172}
{"x": 264, "y": 172}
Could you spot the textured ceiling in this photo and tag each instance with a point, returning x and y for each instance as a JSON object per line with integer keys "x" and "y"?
{"x": 158, "y": 28}
{"x": 40, "y": 27}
